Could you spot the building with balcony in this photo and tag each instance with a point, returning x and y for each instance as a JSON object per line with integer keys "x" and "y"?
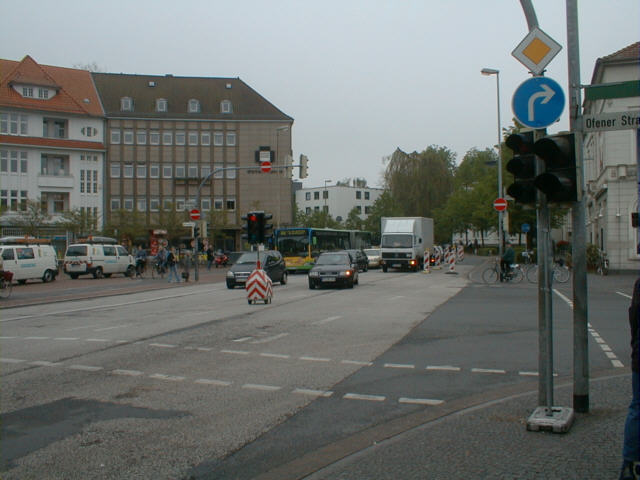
{"x": 51, "y": 140}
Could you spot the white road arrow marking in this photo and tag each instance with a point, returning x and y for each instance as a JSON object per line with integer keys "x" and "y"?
{"x": 546, "y": 94}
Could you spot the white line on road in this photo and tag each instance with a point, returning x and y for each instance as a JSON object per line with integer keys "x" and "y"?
{"x": 45, "y": 363}
{"x": 399, "y": 365}
{"x": 274, "y": 355}
{"x": 356, "y": 362}
{"x": 68, "y": 339}
{"x": 171, "y": 378}
{"x": 98, "y": 340}
{"x": 209, "y": 381}
{"x": 243, "y": 339}
{"x": 36, "y": 338}
{"x": 529, "y": 374}
{"x": 86, "y": 368}
{"x": 444, "y": 368}
{"x": 11, "y": 360}
{"x": 487, "y": 370}
{"x": 326, "y": 320}
{"x": 235, "y": 352}
{"x": 271, "y": 339}
{"x": 315, "y": 359}
{"x": 264, "y": 388}
{"x": 128, "y": 373}
{"x": 369, "y": 398}
{"x": 624, "y": 295}
{"x": 109, "y": 328}
{"x": 420, "y": 401}
{"x": 313, "y": 393}
{"x": 162, "y": 345}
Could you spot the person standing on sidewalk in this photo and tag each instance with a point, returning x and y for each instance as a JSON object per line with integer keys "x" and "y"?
{"x": 631, "y": 446}
{"x": 172, "y": 264}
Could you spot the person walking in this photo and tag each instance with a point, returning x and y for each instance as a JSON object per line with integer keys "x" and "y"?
{"x": 172, "y": 264}
{"x": 210, "y": 257}
{"x": 508, "y": 258}
{"x": 631, "y": 445}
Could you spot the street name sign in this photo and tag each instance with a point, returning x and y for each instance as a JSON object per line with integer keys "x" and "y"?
{"x": 500, "y": 204}
{"x": 536, "y": 50}
{"x": 611, "y": 121}
{"x": 538, "y": 102}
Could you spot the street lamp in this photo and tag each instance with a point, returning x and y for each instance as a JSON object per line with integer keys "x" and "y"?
{"x": 279, "y": 130}
{"x": 489, "y": 72}
{"x": 325, "y": 195}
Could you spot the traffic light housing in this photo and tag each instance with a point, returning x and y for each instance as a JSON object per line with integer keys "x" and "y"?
{"x": 252, "y": 227}
{"x": 558, "y": 182}
{"x": 304, "y": 166}
{"x": 523, "y": 167}
{"x": 196, "y": 231}
{"x": 264, "y": 226}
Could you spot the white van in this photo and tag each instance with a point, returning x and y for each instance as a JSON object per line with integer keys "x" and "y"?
{"x": 28, "y": 259}
{"x": 98, "y": 256}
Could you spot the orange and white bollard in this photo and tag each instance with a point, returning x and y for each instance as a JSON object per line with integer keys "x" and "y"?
{"x": 460, "y": 252}
{"x": 451, "y": 260}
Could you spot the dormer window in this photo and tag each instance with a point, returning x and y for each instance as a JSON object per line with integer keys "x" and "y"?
{"x": 194, "y": 106}
{"x": 126, "y": 104}
{"x": 161, "y": 105}
{"x": 225, "y": 106}
{"x": 27, "y": 92}
{"x": 43, "y": 93}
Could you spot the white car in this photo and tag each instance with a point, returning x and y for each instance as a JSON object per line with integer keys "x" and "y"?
{"x": 29, "y": 259}
{"x": 374, "y": 256}
{"x": 100, "y": 259}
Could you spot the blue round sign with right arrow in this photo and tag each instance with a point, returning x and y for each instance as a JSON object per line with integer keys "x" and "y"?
{"x": 538, "y": 102}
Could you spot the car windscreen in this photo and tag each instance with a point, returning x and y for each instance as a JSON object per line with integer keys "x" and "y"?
{"x": 249, "y": 257}
{"x": 333, "y": 259}
{"x": 77, "y": 251}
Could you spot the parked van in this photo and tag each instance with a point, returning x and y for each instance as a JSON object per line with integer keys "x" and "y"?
{"x": 98, "y": 256}
{"x": 29, "y": 258}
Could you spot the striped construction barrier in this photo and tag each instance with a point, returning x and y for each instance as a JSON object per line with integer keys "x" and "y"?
{"x": 460, "y": 252}
{"x": 259, "y": 287}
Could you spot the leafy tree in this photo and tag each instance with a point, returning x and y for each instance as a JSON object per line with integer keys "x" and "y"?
{"x": 126, "y": 226}
{"x": 384, "y": 206}
{"x": 78, "y": 221}
{"x": 353, "y": 221}
{"x": 318, "y": 219}
{"x": 32, "y": 218}
{"x": 171, "y": 220}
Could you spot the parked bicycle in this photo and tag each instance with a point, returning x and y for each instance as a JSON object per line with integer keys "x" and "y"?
{"x": 602, "y": 267}
{"x": 158, "y": 269}
{"x": 6, "y": 284}
{"x": 561, "y": 272}
{"x": 492, "y": 274}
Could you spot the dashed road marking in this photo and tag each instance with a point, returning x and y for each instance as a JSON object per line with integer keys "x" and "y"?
{"x": 312, "y": 393}
{"x": 315, "y": 359}
{"x": 443, "y": 368}
{"x": 399, "y": 365}
{"x": 235, "y": 352}
{"x": 97, "y": 340}
{"x": 420, "y": 401}
{"x": 243, "y": 339}
{"x": 274, "y": 355}
{"x": 270, "y": 339}
{"x": 66, "y": 339}
{"x": 45, "y": 363}
{"x": 11, "y": 360}
{"x": 264, "y": 388}
{"x": 356, "y": 362}
{"x": 625, "y": 295}
{"x": 210, "y": 381}
{"x": 326, "y": 320}
{"x": 171, "y": 378}
{"x": 36, "y": 338}
{"x": 368, "y": 398}
{"x": 162, "y": 345}
{"x": 488, "y": 370}
{"x": 128, "y": 373}
{"x": 85, "y": 368}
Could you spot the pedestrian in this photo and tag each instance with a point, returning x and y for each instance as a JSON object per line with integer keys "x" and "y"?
{"x": 210, "y": 257}
{"x": 508, "y": 258}
{"x": 631, "y": 446}
{"x": 172, "y": 264}
{"x": 141, "y": 261}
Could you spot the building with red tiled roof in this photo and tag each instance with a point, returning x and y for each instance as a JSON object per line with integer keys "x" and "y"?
{"x": 51, "y": 140}
{"x": 611, "y": 159}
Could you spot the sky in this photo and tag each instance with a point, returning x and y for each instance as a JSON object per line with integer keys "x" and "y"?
{"x": 360, "y": 77}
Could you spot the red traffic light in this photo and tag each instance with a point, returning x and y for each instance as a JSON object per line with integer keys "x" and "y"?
{"x": 252, "y": 218}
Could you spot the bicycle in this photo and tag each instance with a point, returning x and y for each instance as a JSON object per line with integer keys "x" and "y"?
{"x": 158, "y": 269}
{"x": 561, "y": 272}
{"x": 6, "y": 285}
{"x": 602, "y": 268}
{"x": 141, "y": 268}
{"x": 492, "y": 274}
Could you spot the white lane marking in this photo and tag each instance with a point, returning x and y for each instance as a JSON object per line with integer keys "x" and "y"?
{"x": 7, "y": 338}
{"x": 529, "y": 374}
{"x": 369, "y": 398}
{"x": 243, "y": 339}
{"x": 128, "y": 373}
{"x": 397, "y": 297}
{"x": 210, "y": 381}
{"x": 264, "y": 388}
{"x": 98, "y": 340}
{"x": 171, "y": 378}
{"x": 45, "y": 363}
{"x": 356, "y": 362}
{"x": 399, "y": 365}
{"x": 162, "y": 345}
{"x": 74, "y": 328}
{"x": 235, "y": 352}
{"x": 420, "y": 401}
{"x": 270, "y": 339}
{"x": 487, "y": 370}
{"x": 36, "y": 338}
{"x": 204, "y": 349}
{"x": 443, "y": 368}
{"x": 596, "y": 336}
{"x": 313, "y": 393}
{"x": 11, "y": 360}
{"x": 274, "y": 355}
{"x": 315, "y": 359}
{"x": 85, "y": 368}
{"x": 109, "y": 328}
{"x": 326, "y": 320}
{"x": 624, "y": 295}
{"x": 67, "y": 339}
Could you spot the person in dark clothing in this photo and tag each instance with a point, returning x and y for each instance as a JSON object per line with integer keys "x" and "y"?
{"x": 631, "y": 446}
{"x": 508, "y": 258}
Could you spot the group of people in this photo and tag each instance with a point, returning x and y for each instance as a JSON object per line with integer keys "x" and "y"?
{"x": 166, "y": 259}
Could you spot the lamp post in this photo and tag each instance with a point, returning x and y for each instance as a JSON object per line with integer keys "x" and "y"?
{"x": 325, "y": 195}
{"x": 279, "y": 130}
{"x": 488, "y": 72}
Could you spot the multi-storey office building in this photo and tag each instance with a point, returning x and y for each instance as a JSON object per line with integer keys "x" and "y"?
{"x": 166, "y": 133}
{"x": 51, "y": 140}
{"x": 337, "y": 200}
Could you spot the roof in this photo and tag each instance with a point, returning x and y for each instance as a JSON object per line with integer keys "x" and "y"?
{"x": 76, "y": 93}
{"x": 144, "y": 90}
{"x": 628, "y": 55}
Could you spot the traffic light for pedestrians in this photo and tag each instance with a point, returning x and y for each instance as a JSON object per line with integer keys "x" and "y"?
{"x": 523, "y": 167}
{"x": 558, "y": 181}
{"x": 304, "y": 166}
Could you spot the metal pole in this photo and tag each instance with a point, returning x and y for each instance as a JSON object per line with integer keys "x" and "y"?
{"x": 500, "y": 213}
{"x": 529, "y": 13}
{"x": 579, "y": 228}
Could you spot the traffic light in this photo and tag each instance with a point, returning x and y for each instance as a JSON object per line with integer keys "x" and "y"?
{"x": 523, "y": 167}
{"x": 196, "y": 231}
{"x": 558, "y": 181}
{"x": 264, "y": 227}
{"x": 304, "y": 166}
{"x": 252, "y": 227}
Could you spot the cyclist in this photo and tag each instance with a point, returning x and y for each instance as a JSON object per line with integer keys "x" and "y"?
{"x": 141, "y": 260}
{"x": 508, "y": 258}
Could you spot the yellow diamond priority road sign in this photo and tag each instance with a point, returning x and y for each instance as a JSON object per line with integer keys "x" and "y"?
{"x": 536, "y": 50}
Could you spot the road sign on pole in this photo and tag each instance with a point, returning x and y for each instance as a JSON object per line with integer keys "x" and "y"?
{"x": 194, "y": 214}
{"x": 500, "y": 204}
{"x": 538, "y": 102}
{"x": 536, "y": 50}
{"x": 265, "y": 167}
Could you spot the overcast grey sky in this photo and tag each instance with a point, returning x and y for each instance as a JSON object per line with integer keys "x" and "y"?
{"x": 359, "y": 77}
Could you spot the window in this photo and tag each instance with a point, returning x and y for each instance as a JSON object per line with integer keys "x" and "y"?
{"x": 23, "y": 200}
{"x": 167, "y": 138}
{"x": 4, "y": 123}
{"x": 231, "y": 138}
{"x": 316, "y": 209}
{"x": 127, "y": 137}
{"x": 180, "y": 138}
{"x": 161, "y": 105}
{"x": 219, "y": 173}
{"x": 194, "y": 106}
{"x": 218, "y": 138}
{"x": 180, "y": 204}
{"x": 13, "y": 123}
{"x": 141, "y": 137}
{"x": 4, "y": 161}
{"x": 307, "y": 210}
{"x": 217, "y": 203}
{"x": 193, "y": 138}
{"x": 367, "y": 209}
{"x": 366, "y": 195}
{"x": 23, "y": 162}
{"x": 53, "y": 202}
{"x": 325, "y": 208}
{"x": 231, "y": 173}
{"x": 225, "y": 107}
{"x": 231, "y": 204}
{"x": 43, "y": 93}
{"x": 307, "y": 196}
{"x": 167, "y": 171}
{"x": 154, "y": 170}
{"x": 52, "y": 128}
{"x": 115, "y": 136}
{"x": 205, "y": 138}
{"x": 205, "y": 204}
{"x": 95, "y": 181}
{"x": 154, "y": 204}
{"x": 141, "y": 204}
{"x": 154, "y": 137}
{"x": 180, "y": 171}
{"x": 359, "y": 209}
{"x": 141, "y": 171}
{"x": 27, "y": 92}
{"x": 115, "y": 204}
{"x": 25, "y": 253}
{"x": 205, "y": 171}
{"x": 167, "y": 204}
{"x": 89, "y": 131}
{"x": 50, "y": 165}
{"x": 109, "y": 251}
{"x": 358, "y": 194}
{"x": 126, "y": 104}
{"x": 13, "y": 164}
{"x": 193, "y": 171}
{"x": 316, "y": 195}
{"x": 325, "y": 194}
{"x": 128, "y": 170}
{"x": 128, "y": 203}
{"x": 115, "y": 170}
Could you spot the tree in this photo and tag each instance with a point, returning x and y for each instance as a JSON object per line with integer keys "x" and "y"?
{"x": 91, "y": 67}
{"x": 353, "y": 221}
{"x": 384, "y": 206}
{"x": 78, "y": 221}
{"x": 32, "y": 218}
{"x": 171, "y": 220}
{"x": 126, "y": 226}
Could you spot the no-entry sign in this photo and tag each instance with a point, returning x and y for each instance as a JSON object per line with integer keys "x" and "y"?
{"x": 194, "y": 214}
{"x": 265, "y": 167}
{"x": 500, "y": 204}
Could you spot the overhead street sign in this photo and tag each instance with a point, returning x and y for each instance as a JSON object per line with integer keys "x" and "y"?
{"x": 611, "y": 121}
{"x": 538, "y": 102}
{"x": 536, "y": 50}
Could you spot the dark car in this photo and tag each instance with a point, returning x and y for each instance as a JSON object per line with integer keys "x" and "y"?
{"x": 271, "y": 262}
{"x": 333, "y": 268}
{"x": 233, "y": 257}
{"x": 360, "y": 258}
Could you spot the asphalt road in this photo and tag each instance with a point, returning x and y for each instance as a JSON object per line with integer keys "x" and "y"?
{"x": 191, "y": 382}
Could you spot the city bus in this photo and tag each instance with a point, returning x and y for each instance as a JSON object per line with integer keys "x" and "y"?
{"x": 300, "y": 245}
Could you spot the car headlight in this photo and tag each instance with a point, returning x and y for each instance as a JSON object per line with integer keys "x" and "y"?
{"x": 230, "y": 274}
{"x": 346, "y": 273}
{"x": 314, "y": 274}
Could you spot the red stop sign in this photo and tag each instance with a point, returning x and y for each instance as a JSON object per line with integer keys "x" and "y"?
{"x": 194, "y": 214}
{"x": 265, "y": 167}
{"x": 500, "y": 204}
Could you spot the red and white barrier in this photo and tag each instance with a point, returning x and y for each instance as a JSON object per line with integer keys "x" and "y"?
{"x": 460, "y": 252}
{"x": 259, "y": 287}
{"x": 451, "y": 261}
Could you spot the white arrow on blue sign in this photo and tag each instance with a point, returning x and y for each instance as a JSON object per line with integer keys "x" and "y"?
{"x": 538, "y": 102}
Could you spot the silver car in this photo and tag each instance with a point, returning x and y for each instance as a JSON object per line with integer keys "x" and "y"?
{"x": 374, "y": 256}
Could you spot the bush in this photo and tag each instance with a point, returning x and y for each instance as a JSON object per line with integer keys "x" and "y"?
{"x": 593, "y": 256}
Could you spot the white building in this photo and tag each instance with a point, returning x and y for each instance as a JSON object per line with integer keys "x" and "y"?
{"x": 51, "y": 140}
{"x": 337, "y": 200}
{"x": 611, "y": 160}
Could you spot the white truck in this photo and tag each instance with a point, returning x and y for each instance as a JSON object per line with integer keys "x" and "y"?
{"x": 404, "y": 241}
